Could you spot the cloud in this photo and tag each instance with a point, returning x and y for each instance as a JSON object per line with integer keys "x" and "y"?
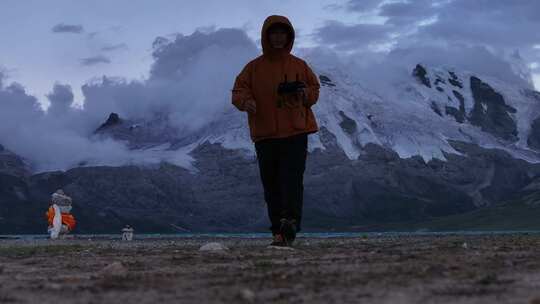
{"x": 497, "y": 23}
{"x": 382, "y": 73}
{"x": 356, "y": 36}
{"x": 92, "y": 35}
{"x": 114, "y": 47}
{"x": 409, "y": 13}
{"x": 2, "y": 77}
{"x": 61, "y": 99}
{"x": 189, "y": 84}
{"x": 17, "y": 106}
{"x": 190, "y": 79}
{"x": 173, "y": 58}
{"x": 67, "y": 28}
{"x": 362, "y": 5}
{"x": 95, "y": 60}
{"x": 115, "y": 29}
{"x": 535, "y": 67}
{"x": 477, "y": 59}
{"x": 60, "y": 138}
{"x": 495, "y": 29}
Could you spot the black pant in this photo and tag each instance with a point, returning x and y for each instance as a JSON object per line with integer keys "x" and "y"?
{"x": 282, "y": 162}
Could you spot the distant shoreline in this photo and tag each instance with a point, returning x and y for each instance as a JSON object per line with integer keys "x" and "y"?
{"x": 258, "y": 235}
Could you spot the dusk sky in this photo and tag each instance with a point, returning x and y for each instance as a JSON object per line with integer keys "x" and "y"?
{"x": 70, "y": 42}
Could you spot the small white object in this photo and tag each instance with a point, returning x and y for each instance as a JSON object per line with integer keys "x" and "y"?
{"x": 213, "y": 247}
{"x": 465, "y": 246}
{"x": 127, "y": 234}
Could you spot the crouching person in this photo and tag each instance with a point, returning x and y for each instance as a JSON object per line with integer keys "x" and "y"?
{"x": 59, "y": 218}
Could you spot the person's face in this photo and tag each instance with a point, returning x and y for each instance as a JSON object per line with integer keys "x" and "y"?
{"x": 278, "y": 37}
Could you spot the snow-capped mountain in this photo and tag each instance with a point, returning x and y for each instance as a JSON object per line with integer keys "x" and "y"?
{"x": 438, "y": 144}
{"x": 431, "y": 107}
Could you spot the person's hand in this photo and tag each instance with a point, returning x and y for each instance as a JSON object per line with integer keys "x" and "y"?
{"x": 251, "y": 106}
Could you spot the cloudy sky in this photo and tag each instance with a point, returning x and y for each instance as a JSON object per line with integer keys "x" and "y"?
{"x": 73, "y": 41}
{"x": 70, "y": 42}
{"x": 85, "y": 59}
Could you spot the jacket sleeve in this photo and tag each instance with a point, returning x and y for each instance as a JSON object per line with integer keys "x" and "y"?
{"x": 242, "y": 88}
{"x": 312, "y": 87}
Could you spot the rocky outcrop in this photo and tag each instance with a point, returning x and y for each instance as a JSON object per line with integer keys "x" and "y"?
{"x": 534, "y": 135}
{"x": 141, "y": 133}
{"x": 435, "y": 107}
{"x": 458, "y": 114}
{"x": 112, "y": 121}
{"x": 454, "y": 80}
{"x": 326, "y": 81}
{"x": 490, "y": 111}
{"x": 348, "y": 124}
{"x": 420, "y": 73}
{"x": 12, "y": 164}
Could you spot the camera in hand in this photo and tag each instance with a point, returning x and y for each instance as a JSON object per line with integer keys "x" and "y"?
{"x": 292, "y": 87}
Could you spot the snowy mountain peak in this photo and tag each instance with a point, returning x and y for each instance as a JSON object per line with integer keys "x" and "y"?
{"x": 423, "y": 113}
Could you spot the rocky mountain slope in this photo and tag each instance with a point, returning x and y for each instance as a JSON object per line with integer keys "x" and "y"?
{"x": 445, "y": 143}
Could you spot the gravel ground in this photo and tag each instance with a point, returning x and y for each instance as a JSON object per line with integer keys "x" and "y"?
{"x": 384, "y": 269}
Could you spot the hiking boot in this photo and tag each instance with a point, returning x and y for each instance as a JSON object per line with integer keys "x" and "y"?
{"x": 278, "y": 241}
{"x": 288, "y": 230}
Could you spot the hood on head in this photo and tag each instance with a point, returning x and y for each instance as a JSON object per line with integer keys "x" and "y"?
{"x": 271, "y": 20}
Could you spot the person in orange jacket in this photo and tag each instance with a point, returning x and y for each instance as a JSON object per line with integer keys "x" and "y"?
{"x": 59, "y": 218}
{"x": 277, "y": 90}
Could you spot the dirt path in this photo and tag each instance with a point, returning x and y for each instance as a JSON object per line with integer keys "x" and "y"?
{"x": 449, "y": 269}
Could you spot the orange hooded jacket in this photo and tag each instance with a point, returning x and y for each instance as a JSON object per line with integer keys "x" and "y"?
{"x": 67, "y": 219}
{"x": 276, "y": 116}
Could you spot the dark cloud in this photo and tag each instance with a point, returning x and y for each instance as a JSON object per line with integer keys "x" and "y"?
{"x": 114, "y": 47}
{"x": 68, "y": 28}
{"x": 340, "y": 35}
{"x": 61, "y": 99}
{"x": 17, "y": 105}
{"x": 485, "y": 29}
{"x": 498, "y": 23}
{"x": 95, "y": 60}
